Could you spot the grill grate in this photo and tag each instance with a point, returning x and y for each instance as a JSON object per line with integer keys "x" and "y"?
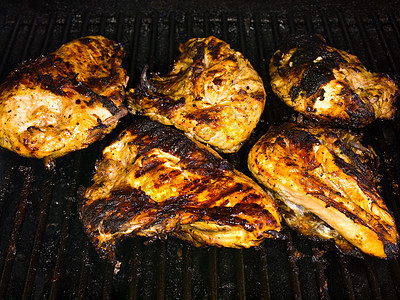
{"x": 43, "y": 251}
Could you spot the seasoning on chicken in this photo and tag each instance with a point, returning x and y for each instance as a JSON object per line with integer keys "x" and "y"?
{"x": 328, "y": 84}
{"x": 324, "y": 181}
{"x": 153, "y": 181}
{"x": 212, "y": 93}
{"x": 64, "y": 101}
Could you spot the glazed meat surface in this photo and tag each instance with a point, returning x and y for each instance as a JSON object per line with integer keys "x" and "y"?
{"x": 153, "y": 181}
{"x": 64, "y": 101}
{"x": 324, "y": 180}
{"x": 212, "y": 93}
{"x": 328, "y": 84}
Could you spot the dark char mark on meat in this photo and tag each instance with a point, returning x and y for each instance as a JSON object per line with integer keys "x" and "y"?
{"x": 125, "y": 204}
{"x": 153, "y": 91}
{"x": 120, "y": 205}
{"x": 298, "y": 137}
{"x": 151, "y": 134}
{"x": 309, "y": 48}
{"x": 214, "y": 48}
{"x": 366, "y": 163}
{"x": 357, "y": 170}
{"x": 199, "y": 56}
{"x": 359, "y": 111}
{"x": 36, "y": 71}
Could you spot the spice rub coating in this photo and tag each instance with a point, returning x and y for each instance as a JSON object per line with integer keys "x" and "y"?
{"x": 212, "y": 93}
{"x": 325, "y": 182}
{"x": 328, "y": 84}
{"x": 154, "y": 181}
{"x": 63, "y": 101}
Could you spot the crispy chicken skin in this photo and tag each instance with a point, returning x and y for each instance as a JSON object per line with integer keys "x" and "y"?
{"x": 153, "y": 181}
{"x": 212, "y": 93}
{"x": 64, "y": 101}
{"x": 328, "y": 84}
{"x": 324, "y": 181}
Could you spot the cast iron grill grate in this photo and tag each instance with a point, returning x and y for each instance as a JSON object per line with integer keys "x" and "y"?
{"x": 43, "y": 251}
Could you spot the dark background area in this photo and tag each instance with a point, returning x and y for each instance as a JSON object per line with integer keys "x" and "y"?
{"x": 44, "y": 253}
{"x": 190, "y": 5}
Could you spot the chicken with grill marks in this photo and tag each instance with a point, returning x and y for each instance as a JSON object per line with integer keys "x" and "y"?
{"x": 328, "y": 84}
{"x": 153, "y": 181}
{"x": 63, "y": 101}
{"x": 212, "y": 93}
{"x": 325, "y": 182}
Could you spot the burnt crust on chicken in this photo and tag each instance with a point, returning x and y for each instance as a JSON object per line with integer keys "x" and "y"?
{"x": 326, "y": 184}
{"x": 328, "y": 84}
{"x": 153, "y": 181}
{"x": 212, "y": 93}
{"x": 65, "y": 100}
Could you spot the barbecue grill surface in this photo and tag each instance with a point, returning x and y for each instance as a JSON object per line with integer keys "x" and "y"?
{"x": 43, "y": 251}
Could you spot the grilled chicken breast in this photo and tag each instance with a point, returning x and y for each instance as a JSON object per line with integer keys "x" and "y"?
{"x": 153, "y": 181}
{"x": 212, "y": 93}
{"x": 324, "y": 180}
{"x": 328, "y": 84}
{"x": 64, "y": 101}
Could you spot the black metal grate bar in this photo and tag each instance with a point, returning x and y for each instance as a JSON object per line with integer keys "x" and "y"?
{"x": 5, "y": 183}
{"x": 346, "y": 278}
{"x": 84, "y": 271}
{"x": 134, "y": 272}
{"x": 240, "y": 275}
{"x": 153, "y": 41}
{"x": 264, "y": 275}
{"x": 171, "y": 38}
{"x": 59, "y": 268}
{"x": 212, "y": 273}
{"x": 11, "y": 248}
{"x": 321, "y": 280}
{"x": 10, "y": 43}
{"x": 294, "y": 269}
{"x": 29, "y": 39}
{"x": 161, "y": 272}
{"x": 386, "y": 47}
{"x": 189, "y": 25}
{"x": 366, "y": 43}
{"x": 187, "y": 273}
{"x": 263, "y": 66}
{"x": 373, "y": 282}
{"x": 309, "y": 23}
{"x": 326, "y": 28}
{"x": 206, "y": 24}
{"x": 107, "y": 282}
{"x": 41, "y": 227}
{"x": 395, "y": 274}
{"x": 136, "y": 34}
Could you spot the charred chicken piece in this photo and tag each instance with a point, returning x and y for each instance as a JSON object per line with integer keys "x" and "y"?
{"x": 64, "y": 101}
{"x": 324, "y": 181}
{"x": 212, "y": 93}
{"x": 153, "y": 181}
{"x": 328, "y": 84}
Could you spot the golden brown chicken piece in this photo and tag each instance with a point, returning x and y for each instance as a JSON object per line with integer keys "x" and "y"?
{"x": 328, "y": 84}
{"x": 212, "y": 93}
{"x": 153, "y": 181}
{"x": 64, "y": 101}
{"x": 324, "y": 181}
